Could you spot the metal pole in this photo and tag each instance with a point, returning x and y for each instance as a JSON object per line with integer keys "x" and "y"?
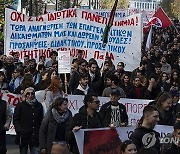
{"x": 56, "y": 5}
{"x": 30, "y": 8}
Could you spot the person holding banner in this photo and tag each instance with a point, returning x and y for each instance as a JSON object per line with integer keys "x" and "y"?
{"x": 88, "y": 117}
{"x": 114, "y": 113}
{"x": 144, "y": 135}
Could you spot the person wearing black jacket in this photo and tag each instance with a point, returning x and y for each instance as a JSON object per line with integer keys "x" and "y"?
{"x": 164, "y": 104}
{"x": 144, "y": 135}
{"x": 27, "y": 119}
{"x": 54, "y": 124}
{"x": 114, "y": 113}
{"x": 88, "y": 117}
{"x": 83, "y": 87}
{"x": 175, "y": 147}
{"x": 5, "y": 120}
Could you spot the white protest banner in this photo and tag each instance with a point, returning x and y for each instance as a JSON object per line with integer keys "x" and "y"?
{"x": 73, "y": 29}
{"x": 64, "y": 65}
{"x": 109, "y": 139}
{"x": 134, "y": 107}
{"x": 12, "y": 100}
{"x": 120, "y": 13}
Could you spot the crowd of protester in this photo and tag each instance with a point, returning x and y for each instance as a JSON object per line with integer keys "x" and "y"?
{"x": 157, "y": 78}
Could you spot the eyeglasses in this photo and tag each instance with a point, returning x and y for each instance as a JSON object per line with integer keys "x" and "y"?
{"x": 63, "y": 143}
{"x": 30, "y": 93}
{"x": 83, "y": 65}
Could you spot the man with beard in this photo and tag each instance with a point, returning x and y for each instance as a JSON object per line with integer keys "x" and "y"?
{"x": 83, "y": 87}
{"x": 88, "y": 117}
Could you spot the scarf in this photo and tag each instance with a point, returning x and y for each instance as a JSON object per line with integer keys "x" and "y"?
{"x": 85, "y": 91}
{"x": 32, "y": 102}
{"x": 60, "y": 118}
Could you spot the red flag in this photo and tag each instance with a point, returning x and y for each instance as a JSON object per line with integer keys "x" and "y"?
{"x": 110, "y": 23}
{"x": 159, "y": 19}
{"x": 164, "y": 19}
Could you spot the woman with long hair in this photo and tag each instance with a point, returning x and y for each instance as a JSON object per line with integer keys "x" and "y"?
{"x": 175, "y": 80}
{"x": 128, "y": 147}
{"x": 43, "y": 83}
{"x": 125, "y": 83}
{"x": 54, "y": 90}
{"x": 163, "y": 82}
{"x": 163, "y": 105}
{"x": 54, "y": 124}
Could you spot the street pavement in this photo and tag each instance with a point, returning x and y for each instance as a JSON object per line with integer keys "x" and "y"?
{"x": 12, "y": 148}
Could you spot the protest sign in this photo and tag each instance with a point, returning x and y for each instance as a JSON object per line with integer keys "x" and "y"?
{"x": 73, "y": 29}
{"x": 109, "y": 139}
{"x": 64, "y": 65}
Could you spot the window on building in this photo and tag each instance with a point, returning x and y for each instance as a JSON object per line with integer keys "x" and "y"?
{"x": 137, "y": 5}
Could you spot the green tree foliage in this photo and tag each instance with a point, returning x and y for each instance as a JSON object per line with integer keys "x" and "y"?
{"x": 171, "y": 7}
{"x": 108, "y": 4}
{"x": 3, "y": 5}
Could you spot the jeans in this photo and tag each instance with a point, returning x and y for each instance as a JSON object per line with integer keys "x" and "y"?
{"x": 33, "y": 150}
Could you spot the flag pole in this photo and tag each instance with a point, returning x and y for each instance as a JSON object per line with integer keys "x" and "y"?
{"x": 176, "y": 29}
{"x": 65, "y": 81}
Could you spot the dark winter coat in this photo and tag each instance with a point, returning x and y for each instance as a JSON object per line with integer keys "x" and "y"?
{"x": 105, "y": 112}
{"x": 167, "y": 120}
{"x": 2, "y": 123}
{"x": 173, "y": 150}
{"x": 27, "y": 120}
{"x": 82, "y": 119}
{"x": 144, "y": 93}
{"x": 48, "y": 130}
